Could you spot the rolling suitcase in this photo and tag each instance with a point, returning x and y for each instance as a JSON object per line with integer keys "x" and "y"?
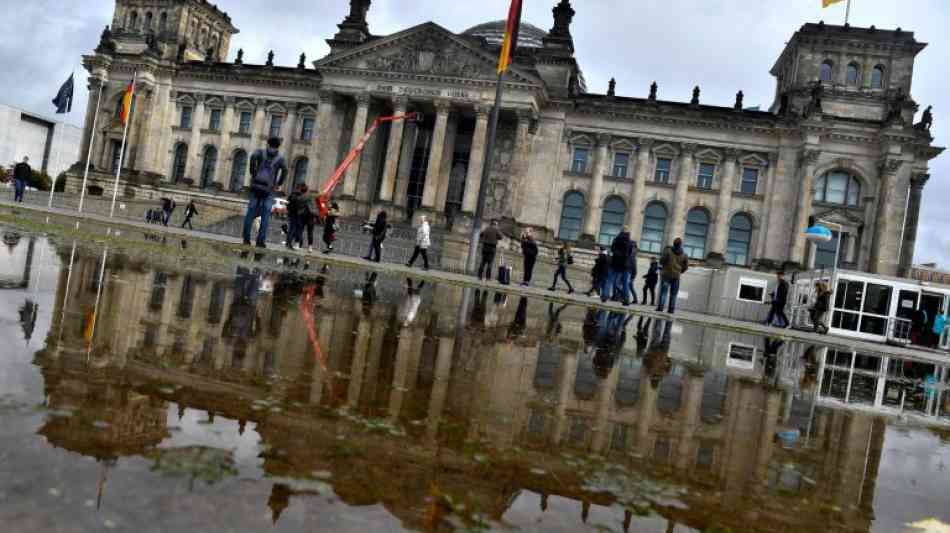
{"x": 504, "y": 272}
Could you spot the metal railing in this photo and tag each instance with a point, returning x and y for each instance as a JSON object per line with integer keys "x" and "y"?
{"x": 898, "y": 330}
{"x": 945, "y": 338}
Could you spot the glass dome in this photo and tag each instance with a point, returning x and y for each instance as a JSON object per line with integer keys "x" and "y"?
{"x": 494, "y": 32}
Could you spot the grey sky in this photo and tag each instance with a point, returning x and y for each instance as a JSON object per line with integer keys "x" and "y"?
{"x": 721, "y": 45}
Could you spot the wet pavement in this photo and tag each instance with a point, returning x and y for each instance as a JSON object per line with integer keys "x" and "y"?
{"x": 156, "y": 388}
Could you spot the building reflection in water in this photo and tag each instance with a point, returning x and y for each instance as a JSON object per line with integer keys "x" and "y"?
{"x": 733, "y": 417}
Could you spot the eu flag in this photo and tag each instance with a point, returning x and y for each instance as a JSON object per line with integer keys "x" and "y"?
{"x": 64, "y": 98}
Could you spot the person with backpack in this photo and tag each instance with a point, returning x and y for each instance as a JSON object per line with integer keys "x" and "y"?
{"x": 650, "y": 280}
{"x": 268, "y": 171}
{"x": 190, "y": 212}
{"x": 330, "y": 227}
{"x": 620, "y": 250}
{"x": 423, "y": 241}
{"x": 529, "y": 250}
{"x": 380, "y": 230}
{"x": 674, "y": 263}
{"x": 564, "y": 258}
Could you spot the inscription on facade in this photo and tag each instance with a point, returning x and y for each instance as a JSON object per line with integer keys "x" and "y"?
{"x": 404, "y": 90}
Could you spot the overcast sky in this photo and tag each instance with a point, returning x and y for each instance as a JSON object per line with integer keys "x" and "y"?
{"x": 721, "y": 45}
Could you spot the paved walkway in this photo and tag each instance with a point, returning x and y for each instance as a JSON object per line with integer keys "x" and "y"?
{"x": 683, "y": 317}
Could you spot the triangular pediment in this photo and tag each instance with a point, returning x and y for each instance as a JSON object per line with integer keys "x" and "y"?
{"x": 424, "y": 50}
{"x": 842, "y": 217}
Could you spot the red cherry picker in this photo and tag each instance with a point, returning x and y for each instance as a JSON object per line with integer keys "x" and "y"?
{"x": 323, "y": 199}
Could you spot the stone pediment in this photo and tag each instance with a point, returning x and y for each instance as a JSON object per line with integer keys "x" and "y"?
{"x": 425, "y": 50}
{"x": 841, "y": 216}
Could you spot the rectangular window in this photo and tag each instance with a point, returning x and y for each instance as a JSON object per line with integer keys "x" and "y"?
{"x": 116, "y": 155}
{"x": 306, "y": 132}
{"x": 276, "y": 122}
{"x": 245, "y": 124}
{"x": 581, "y": 156}
{"x": 750, "y": 181}
{"x": 214, "y": 121}
{"x": 704, "y": 178}
{"x": 185, "y": 117}
{"x": 663, "y": 167}
{"x": 621, "y": 162}
{"x": 752, "y": 290}
{"x": 741, "y": 356}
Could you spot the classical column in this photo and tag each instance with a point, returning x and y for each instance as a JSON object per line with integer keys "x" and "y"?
{"x": 646, "y": 411}
{"x": 359, "y": 129}
{"x": 763, "y": 232}
{"x": 440, "y": 386}
{"x": 805, "y": 195}
{"x": 520, "y": 161}
{"x": 635, "y": 201}
{"x": 726, "y": 188}
{"x": 391, "y": 165}
{"x": 917, "y": 183}
{"x": 568, "y": 376}
{"x": 605, "y": 401}
{"x": 402, "y": 374}
{"x": 880, "y": 256}
{"x": 327, "y": 143}
{"x": 592, "y": 224}
{"x": 138, "y": 141}
{"x": 683, "y": 179}
{"x": 193, "y": 168}
{"x": 434, "y": 169}
{"x": 257, "y": 129}
{"x": 694, "y": 400}
{"x": 360, "y": 349}
{"x": 290, "y": 129}
{"x": 476, "y": 160}
{"x": 224, "y": 152}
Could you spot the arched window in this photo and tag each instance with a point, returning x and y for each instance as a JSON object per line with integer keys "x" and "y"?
{"x": 572, "y": 216}
{"x": 838, "y": 187}
{"x": 877, "y": 77}
{"x": 300, "y": 173}
{"x": 180, "y": 162}
{"x": 134, "y": 21}
{"x": 740, "y": 240}
{"x": 238, "y": 170}
{"x": 148, "y": 22}
{"x": 654, "y": 228}
{"x": 611, "y": 221}
{"x": 853, "y": 77}
{"x": 208, "y": 164}
{"x": 162, "y": 22}
{"x": 697, "y": 228}
{"x": 826, "y": 73}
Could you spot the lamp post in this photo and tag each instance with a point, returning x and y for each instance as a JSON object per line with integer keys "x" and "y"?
{"x": 818, "y": 232}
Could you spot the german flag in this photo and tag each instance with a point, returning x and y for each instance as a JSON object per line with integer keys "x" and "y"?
{"x": 127, "y": 103}
{"x": 826, "y": 3}
{"x": 511, "y": 36}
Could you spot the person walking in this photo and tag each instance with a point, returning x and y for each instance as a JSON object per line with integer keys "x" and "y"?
{"x": 423, "y": 242}
{"x": 380, "y": 229}
{"x": 268, "y": 171}
{"x": 822, "y": 304}
{"x": 674, "y": 263}
{"x": 620, "y": 250}
{"x": 632, "y": 271}
{"x": 168, "y": 207}
{"x": 489, "y": 238}
{"x": 529, "y": 249}
{"x": 779, "y": 301}
{"x": 190, "y": 212}
{"x": 650, "y": 280}
{"x": 598, "y": 274}
{"x": 564, "y": 258}
{"x": 294, "y": 223}
{"x": 306, "y": 217}
{"x": 330, "y": 227}
{"x": 21, "y": 177}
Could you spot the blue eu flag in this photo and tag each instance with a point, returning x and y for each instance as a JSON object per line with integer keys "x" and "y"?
{"x": 64, "y": 98}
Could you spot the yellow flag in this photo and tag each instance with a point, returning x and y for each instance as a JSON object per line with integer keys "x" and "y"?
{"x": 826, "y": 3}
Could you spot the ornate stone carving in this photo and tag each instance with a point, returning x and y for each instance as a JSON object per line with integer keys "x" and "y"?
{"x": 926, "y": 120}
{"x": 362, "y": 98}
{"x": 302, "y": 63}
{"x": 653, "y": 89}
{"x": 482, "y": 111}
{"x": 738, "y": 105}
{"x": 325, "y": 97}
{"x": 810, "y": 157}
{"x": 695, "y": 99}
{"x": 688, "y": 149}
{"x": 431, "y": 55}
{"x": 612, "y": 87}
{"x": 239, "y": 60}
{"x": 442, "y": 106}
{"x": 732, "y": 154}
{"x": 646, "y": 143}
{"x": 890, "y": 166}
{"x": 603, "y": 139}
{"x": 400, "y": 103}
{"x": 917, "y": 181}
{"x": 270, "y": 59}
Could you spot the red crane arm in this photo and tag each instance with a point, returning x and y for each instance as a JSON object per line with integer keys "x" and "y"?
{"x": 324, "y": 197}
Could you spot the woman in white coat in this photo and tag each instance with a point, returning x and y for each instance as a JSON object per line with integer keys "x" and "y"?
{"x": 422, "y": 244}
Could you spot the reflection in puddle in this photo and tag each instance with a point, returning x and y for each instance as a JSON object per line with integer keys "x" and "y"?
{"x": 266, "y": 395}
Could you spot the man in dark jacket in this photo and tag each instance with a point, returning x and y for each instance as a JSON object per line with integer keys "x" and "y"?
{"x": 380, "y": 229}
{"x": 620, "y": 251}
{"x": 268, "y": 171}
{"x": 489, "y": 239}
{"x": 674, "y": 263}
{"x": 190, "y": 212}
{"x": 779, "y": 300}
{"x": 168, "y": 207}
{"x": 21, "y": 176}
{"x": 650, "y": 280}
{"x": 529, "y": 249}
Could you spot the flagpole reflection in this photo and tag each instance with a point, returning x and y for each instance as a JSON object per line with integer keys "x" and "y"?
{"x": 90, "y": 329}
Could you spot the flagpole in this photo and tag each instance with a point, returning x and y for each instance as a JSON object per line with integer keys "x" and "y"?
{"x": 56, "y": 154}
{"x": 125, "y": 133}
{"x": 847, "y": 13}
{"x": 483, "y": 186}
{"x": 92, "y": 141}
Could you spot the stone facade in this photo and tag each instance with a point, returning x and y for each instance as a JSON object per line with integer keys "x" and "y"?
{"x": 740, "y": 186}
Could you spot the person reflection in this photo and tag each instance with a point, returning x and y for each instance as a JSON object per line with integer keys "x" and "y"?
{"x": 369, "y": 292}
{"x": 611, "y": 336}
{"x": 657, "y": 358}
{"x": 243, "y": 320}
{"x": 478, "y": 307}
{"x": 520, "y": 322}
{"x": 643, "y": 335}
{"x": 554, "y": 320}
{"x": 772, "y": 347}
{"x": 410, "y": 306}
{"x": 28, "y": 312}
